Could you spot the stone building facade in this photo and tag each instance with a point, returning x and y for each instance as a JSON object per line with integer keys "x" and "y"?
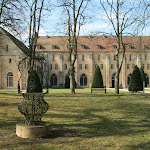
{"x": 92, "y": 51}
{"x": 13, "y": 54}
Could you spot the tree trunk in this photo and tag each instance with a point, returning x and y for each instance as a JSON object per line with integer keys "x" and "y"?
{"x": 72, "y": 80}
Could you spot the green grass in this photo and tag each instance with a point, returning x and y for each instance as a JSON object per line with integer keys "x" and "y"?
{"x": 81, "y": 121}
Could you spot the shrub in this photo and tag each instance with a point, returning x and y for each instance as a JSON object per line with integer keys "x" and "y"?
{"x": 97, "y": 80}
{"x": 136, "y": 81}
{"x": 34, "y": 85}
{"x": 143, "y": 76}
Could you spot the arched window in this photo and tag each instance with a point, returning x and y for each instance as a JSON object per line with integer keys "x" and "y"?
{"x": 129, "y": 78}
{"x": 53, "y": 80}
{"x": 83, "y": 80}
{"x": 147, "y": 79}
{"x": 9, "y": 80}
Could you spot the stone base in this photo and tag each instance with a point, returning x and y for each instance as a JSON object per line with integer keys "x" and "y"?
{"x": 25, "y": 131}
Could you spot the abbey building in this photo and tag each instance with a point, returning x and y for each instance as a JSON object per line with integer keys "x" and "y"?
{"x": 92, "y": 51}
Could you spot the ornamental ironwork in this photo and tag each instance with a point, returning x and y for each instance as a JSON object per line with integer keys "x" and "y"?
{"x": 33, "y": 107}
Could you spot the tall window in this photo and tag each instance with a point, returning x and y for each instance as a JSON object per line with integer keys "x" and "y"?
{"x": 98, "y": 57}
{"x": 86, "y": 66}
{"x": 101, "y": 66}
{"x": 83, "y": 80}
{"x": 129, "y": 77}
{"x": 128, "y": 66}
{"x": 80, "y": 66}
{"x": 133, "y": 65}
{"x": 148, "y": 66}
{"x": 65, "y": 66}
{"x": 114, "y": 57}
{"x": 145, "y": 57}
{"x": 82, "y": 57}
{"x": 112, "y": 66}
{"x": 9, "y": 80}
{"x": 130, "y": 57}
{"x": 56, "y": 67}
{"x": 53, "y": 57}
{"x": 53, "y": 80}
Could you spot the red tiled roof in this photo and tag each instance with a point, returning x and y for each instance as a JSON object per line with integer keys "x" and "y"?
{"x": 91, "y": 43}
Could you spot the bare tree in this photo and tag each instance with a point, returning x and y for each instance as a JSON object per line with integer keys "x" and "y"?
{"x": 75, "y": 18}
{"x": 120, "y": 16}
{"x": 12, "y": 14}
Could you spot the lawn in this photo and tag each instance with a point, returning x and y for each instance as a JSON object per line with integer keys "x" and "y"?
{"x": 81, "y": 121}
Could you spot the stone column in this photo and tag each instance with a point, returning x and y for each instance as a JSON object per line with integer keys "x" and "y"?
{"x": 61, "y": 70}
{"x": 139, "y": 61}
{"x": 90, "y": 69}
{"x": 123, "y": 73}
{"x": 107, "y": 70}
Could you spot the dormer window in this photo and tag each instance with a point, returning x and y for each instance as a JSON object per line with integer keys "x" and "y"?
{"x": 55, "y": 47}
{"x": 114, "y": 46}
{"x": 131, "y": 47}
{"x": 146, "y": 47}
{"x": 40, "y": 46}
{"x": 100, "y": 47}
{"x": 84, "y": 47}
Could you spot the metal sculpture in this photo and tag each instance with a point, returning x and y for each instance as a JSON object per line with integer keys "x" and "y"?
{"x": 33, "y": 107}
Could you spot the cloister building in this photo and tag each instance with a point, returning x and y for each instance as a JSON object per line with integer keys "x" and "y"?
{"x": 92, "y": 51}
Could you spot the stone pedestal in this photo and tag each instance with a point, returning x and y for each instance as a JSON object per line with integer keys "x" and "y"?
{"x": 25, "y": 131}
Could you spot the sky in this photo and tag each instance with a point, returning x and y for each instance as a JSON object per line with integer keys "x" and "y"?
{"x": 52, "y": 23}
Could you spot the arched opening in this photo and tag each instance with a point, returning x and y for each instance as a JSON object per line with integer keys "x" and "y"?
{"x": 53, "y": 80}
{"x": 9, "y": 80}
{"x": 129, "y": 78}
{"x": 113, "y": 80}
{"x": 147, "y": 79}
{"x": 83, "y": 80}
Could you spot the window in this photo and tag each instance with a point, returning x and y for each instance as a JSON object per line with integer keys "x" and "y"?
{"x": 100, "y": 47}
{"x": 65, "y": 66}
{"x": 133, "y": 65}
{"x": 82, "y": 57}
{"x": 143, "y": 66}
{"x": 98, "y": 57}
{"x": 96, "y": 66}
{"x": 86, "y": 66}
{"x": 56, "y": 67}
{"x": 129, "y": 78}
{"x": 131, "y": 47}
{"x": 51, "y": 66}
{"x": 114, "y": 46}
{"x": 114, "y": 57}
{"x": 147, "y": 79}
{"x": 80, "y": 66}
{"x": 148, "y": 66}
{"x": 83, "y": 80}
{"x": 10, "y": 61}
{"x": 130, "y": 58}
{"x": 112, "y": 66}
{"x": 7, "y": 48}
{"x": 84, "y": 47}
{"x": 53, "y": 57}
{"x": 53, "y": 80}
{"x": 145, "y": 57}
{"x": 101, "y": 66}
{"x": 9, "y": 80}
{"x": 55, "y": 47}
{"x": 128, "y": 66}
